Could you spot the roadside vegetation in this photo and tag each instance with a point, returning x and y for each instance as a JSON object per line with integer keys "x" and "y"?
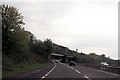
{"x": 21, "y": 51}
{"x": 82, "y": 58}
{"x": 24, "y": 68}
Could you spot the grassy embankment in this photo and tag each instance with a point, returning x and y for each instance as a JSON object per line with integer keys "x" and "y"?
{"x": 23, "y": 68}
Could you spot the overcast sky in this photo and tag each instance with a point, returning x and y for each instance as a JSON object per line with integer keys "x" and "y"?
{"x": 88, "y": 25}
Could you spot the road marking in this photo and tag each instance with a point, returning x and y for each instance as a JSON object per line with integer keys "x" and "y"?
{"x": 63, "y": 64}
{"x": 87, "y": 77}
{"x": 49, "y": 71}
{"x": 67, "y": 66}
{"x": 101, "y": 71}
{"x": 77, "y": 71}
{"x": 71, "y": 67}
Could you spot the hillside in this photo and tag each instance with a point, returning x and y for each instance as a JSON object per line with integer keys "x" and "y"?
{"x": 92, "y": 58}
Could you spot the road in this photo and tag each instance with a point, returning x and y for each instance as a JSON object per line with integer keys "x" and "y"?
{"x": 61, "y": 70}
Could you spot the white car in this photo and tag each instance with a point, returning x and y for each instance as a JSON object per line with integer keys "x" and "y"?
{"x": 104, "y": 63}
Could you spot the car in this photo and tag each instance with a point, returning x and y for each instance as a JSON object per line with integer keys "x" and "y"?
{"x": 72, "y": 63}
{"x": 104, "y": 65}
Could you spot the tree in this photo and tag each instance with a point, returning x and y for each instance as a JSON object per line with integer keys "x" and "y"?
{"x": 103, "y": 57}
{"x": 13, "y": 36}
{"x": 49, "y": 48}
{"x": 38, "y": 47}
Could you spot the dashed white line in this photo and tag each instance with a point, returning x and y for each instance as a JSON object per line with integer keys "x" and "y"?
{"x": 49, "y": 71}
{"x": 43, "y": 77}
{"x": 77, "y": 71}
{"x": 87, "y": 77}
{"x": 71, "y": 67}
{"x": 84, "y": 76}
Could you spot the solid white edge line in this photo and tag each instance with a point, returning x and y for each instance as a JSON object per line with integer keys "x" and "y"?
{"x": 49, "y": 71}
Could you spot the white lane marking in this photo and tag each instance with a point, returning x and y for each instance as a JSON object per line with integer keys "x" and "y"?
{"x": 67, "y": 65}
{"x": 78, "y": 71}
{"x": 49, "y": 71}
{"x": 43, "y": 77}
{"x": 102, "y": 71}
{"x": 63, "y": 63}
{"x": 87, "y": 77}
{"x": 71, "y": 67}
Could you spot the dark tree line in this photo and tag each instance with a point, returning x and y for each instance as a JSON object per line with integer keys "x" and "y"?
{"x": 18, "y": 42}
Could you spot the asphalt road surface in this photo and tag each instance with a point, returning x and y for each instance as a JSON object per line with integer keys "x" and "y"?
{"x": 64, "y": 71}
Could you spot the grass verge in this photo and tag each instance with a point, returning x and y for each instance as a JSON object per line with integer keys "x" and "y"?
{"x": 23, "y": 69}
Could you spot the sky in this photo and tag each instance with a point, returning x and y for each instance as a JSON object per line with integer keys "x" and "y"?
{"x": 86, "y": 25}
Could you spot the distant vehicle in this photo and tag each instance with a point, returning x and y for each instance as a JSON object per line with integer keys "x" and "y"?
{"x": 104, "y": 63}
{"x": 72, "y": 63}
